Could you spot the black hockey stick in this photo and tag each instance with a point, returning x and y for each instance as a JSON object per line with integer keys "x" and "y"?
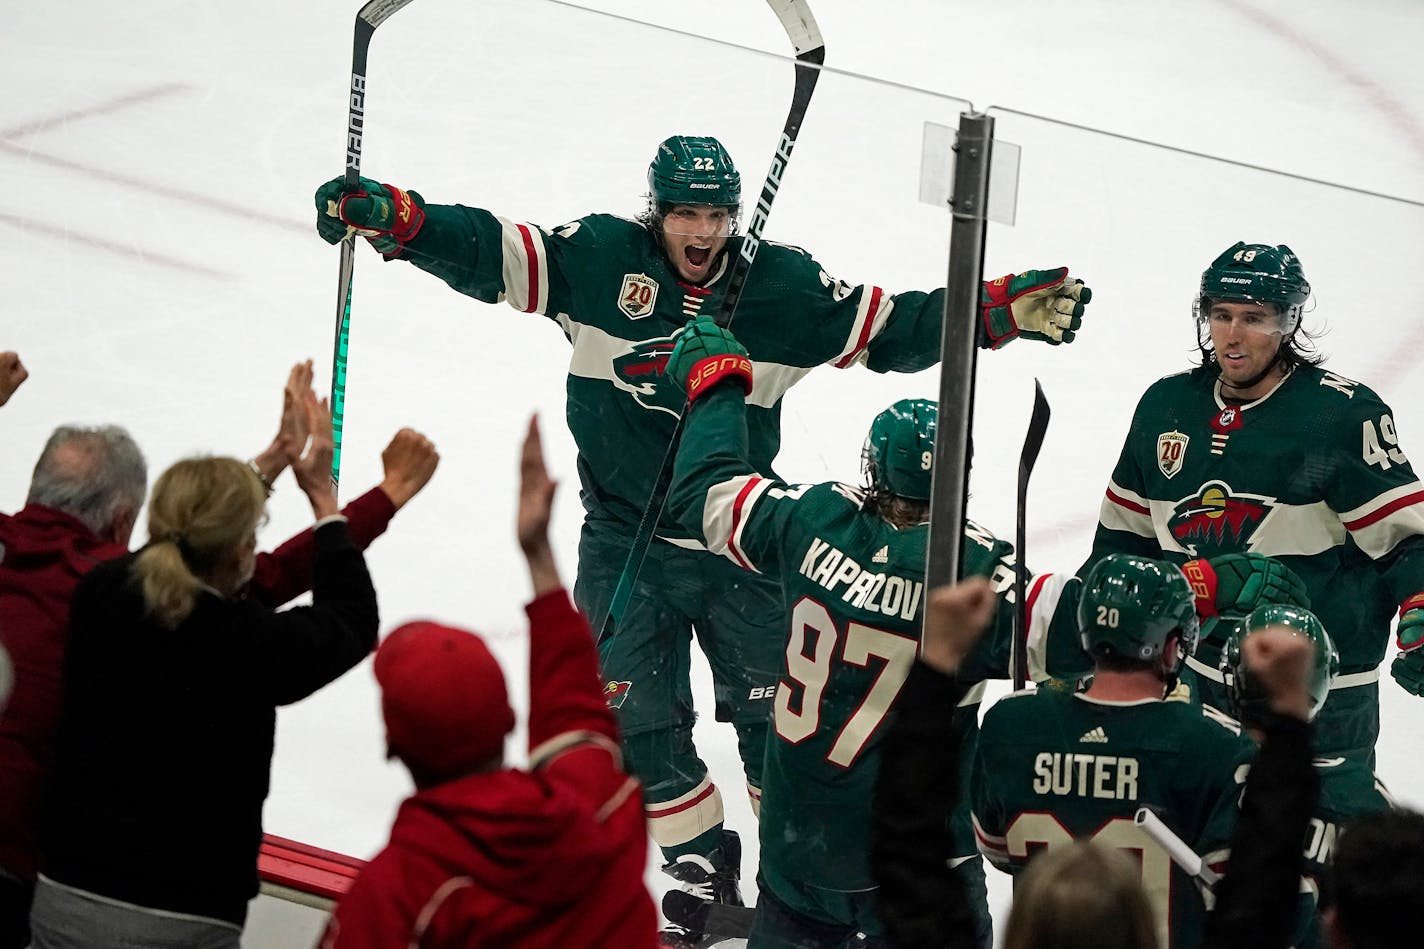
{"x": 1033, "y": 441}
{"x": 805, "y": 36}
{"x": 704, "y": 916}
{"x": 370, "y": 16}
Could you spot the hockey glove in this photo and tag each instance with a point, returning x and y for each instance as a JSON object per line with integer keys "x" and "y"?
{"x": 1046, "y": 305}
{"x": 1408, "y": 666}
{"x": 704, "y": 354}
{"x": 383, "y": 214}
{"x": 1238, "y": 583}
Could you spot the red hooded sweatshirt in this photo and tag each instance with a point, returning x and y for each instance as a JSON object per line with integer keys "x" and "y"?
{"x": 551, "y": 857}
{"x": 44, "y": 553}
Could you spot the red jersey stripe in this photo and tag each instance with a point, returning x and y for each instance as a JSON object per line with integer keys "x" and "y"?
{"x": 871, "y": 309}
{"x": 1130, "y": 505}
{"x": 742, "y": 561}
{"x": 1385, "y": 511}
{"x": 533, "y": 276}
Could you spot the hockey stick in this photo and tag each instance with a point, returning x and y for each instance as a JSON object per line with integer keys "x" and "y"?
{"x": 1177, "y": 848}
{"x": 1033, "y": 441}
{"x": 370, "y": 16}
{"x": 805, "y": 36}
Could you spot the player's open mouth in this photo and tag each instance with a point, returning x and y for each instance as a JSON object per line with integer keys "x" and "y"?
{"x": 697, "y": 256}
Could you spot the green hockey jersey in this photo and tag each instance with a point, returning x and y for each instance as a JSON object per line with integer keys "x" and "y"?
{"x": 855, "y": 589}
{"x": 606, "y": 282}
{"x": 1311, "y": 473}
{"x": 1053, "y": 767}
{"x": 1348, "y": 789}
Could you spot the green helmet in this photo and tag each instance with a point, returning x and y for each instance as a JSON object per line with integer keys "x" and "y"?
{"x": 898, "y": 457}
{"x": 1259, "y": 273}
{"x": 1244, "y": 697}
{"x": 1130, "y": 606}
{"x": 694, "y": 169}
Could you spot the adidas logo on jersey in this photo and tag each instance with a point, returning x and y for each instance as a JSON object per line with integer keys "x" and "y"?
{"x": 882, "y": 555}
{"x": 1096, "y": 735}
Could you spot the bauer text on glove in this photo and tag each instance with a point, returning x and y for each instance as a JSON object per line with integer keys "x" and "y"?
{"x": 705, "y": 354}
{"x": 383, "y": 214}
{"x": 1238, "y": 583}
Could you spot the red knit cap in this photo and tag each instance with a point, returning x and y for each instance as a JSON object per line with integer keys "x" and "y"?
{"x": 443, "y": 698}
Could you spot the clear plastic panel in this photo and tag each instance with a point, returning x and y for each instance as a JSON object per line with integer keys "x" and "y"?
{"x": 162, "y": 273}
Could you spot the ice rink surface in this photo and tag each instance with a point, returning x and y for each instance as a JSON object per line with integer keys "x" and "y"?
{"x": 161, "y": 271}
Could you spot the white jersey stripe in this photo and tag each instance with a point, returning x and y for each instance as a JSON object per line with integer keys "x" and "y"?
{"x": 1122, "y": 510}
{"x": 870, "y": 316}
{"x": 724, "y": 514}
{"x": 1381, "y": 524}
{"x": 677, "y": 821}
{"x": 1042, "y": 602}
{"x": 741, "y": 513}
{"x": 595, "y": 349}
{"x": 525, "y": 266}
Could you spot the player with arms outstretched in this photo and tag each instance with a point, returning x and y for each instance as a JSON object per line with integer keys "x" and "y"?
{"x": 619, "y": 289}
{"x": 1053, "y": 766}
{"x": 1260, "y": 449}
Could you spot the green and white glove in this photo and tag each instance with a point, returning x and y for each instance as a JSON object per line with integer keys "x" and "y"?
{"x": 1408, "y": 666}
{"x": 705, "y": 354}
{"x": 1236, "y": 584}
{"x": 383, "y": 214}
{"x": 1045, "y": 305}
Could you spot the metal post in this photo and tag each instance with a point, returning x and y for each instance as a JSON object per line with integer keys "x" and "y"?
{"x": 959, "y": 348}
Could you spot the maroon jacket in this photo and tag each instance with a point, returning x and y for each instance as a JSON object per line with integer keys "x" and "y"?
{"x": 551, "y": 857}
{"x": 43, "y": 555}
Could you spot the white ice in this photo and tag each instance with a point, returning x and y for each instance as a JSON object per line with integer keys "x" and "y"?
{"x": 160, "y": 269}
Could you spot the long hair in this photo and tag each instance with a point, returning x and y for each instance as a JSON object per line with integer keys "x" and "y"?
{"x": 1081, "y": 896}
{"x": 91, "y": 474}
{"x": 202, "y": 510}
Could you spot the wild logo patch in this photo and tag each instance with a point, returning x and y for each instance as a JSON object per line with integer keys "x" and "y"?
{"x": 638, "y": 295}
{"x": 641, "y": 372}
{"x": 1216, "y": 520}
{"x": 615, "y": 693}
{"x": 1171, "y": 451}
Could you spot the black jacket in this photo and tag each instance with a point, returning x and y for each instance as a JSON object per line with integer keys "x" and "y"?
{"x": 923, "y": 903}
{"x": 164, "y": 751}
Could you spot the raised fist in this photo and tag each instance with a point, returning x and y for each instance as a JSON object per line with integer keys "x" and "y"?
{"x": 383, "y": 214}
{"x": 705, "y": 354}
{"x": 1045, "y": 305}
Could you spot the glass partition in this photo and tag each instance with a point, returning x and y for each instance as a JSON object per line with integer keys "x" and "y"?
{"x": 163, "y": 274}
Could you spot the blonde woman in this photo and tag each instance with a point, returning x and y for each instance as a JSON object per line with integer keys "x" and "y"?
{"x": 171, "y": 684}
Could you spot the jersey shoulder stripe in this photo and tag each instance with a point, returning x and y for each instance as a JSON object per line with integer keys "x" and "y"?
{"x": 871, "y": 314}
{"x": 1126, "y": 510}
{"x": 525, "y": 269}
{"x": 725, "y": 514}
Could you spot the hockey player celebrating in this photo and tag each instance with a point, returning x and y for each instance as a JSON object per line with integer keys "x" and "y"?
{"x": 1260, "y": 449}
{"x": 1348, "y": 787}
{"x": 852, "y": 562}
{"x": 1053, "y": 767}
{"x": 618, "y": 289}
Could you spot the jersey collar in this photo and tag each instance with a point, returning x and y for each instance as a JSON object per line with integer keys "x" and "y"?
{"x": 1243, "y": 406}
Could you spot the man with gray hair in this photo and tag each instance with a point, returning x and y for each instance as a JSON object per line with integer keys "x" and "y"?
{"x": 84, "y": 500}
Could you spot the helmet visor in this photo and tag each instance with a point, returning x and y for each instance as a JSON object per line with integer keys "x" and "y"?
{"x": 700, "y": 220}
{"x": 1245, "y": 314}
